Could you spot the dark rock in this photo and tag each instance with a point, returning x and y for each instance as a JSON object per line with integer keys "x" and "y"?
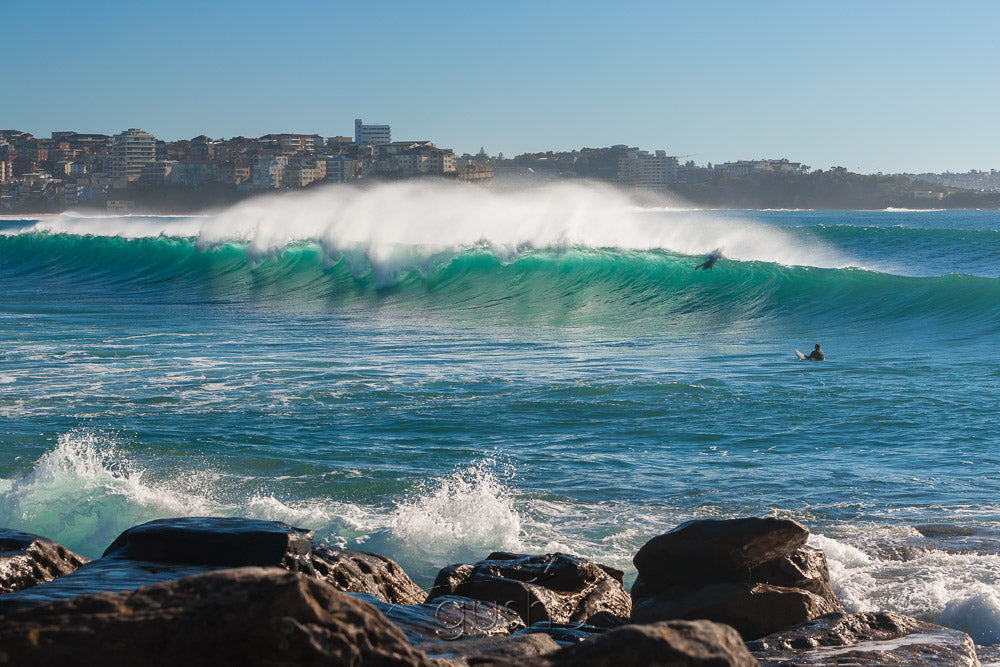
{"x": 99, "y": 576}
{"x": 363, "y": 572}
{"x": 173, "y": 548}
{"x": 554, "y": 587}
{"x": 447, "y": 618}
{"x": 514, "y": 649}
{"x": 754, "y": 610}
{"x": 563, "y": 633}
{"x": 711, "y": 550}
{"x": 251, "y": 616}
{"x": 215, "y": 542}
{"x": 27, "y": 560}
{"x": 866, "y": 639}
{"x": 675, "y": 643}
{"x": 764, "y": 580}
{"x": 804, "y": 568}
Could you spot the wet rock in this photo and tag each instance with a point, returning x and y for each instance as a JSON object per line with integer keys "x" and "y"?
{"x": 448, "y": 618}
{"x": 712, "y": 550}
{"x": 215, "y": 542}
{"x": 563, "y": 633}
{"x": 693, "y": 643}
{"x": 363, "y": 572}
{"x": 866, "y": 639}
{"x": 168, "y": 549}
{"x": 516, "y": 649}
{"x": 554, "y": 587}
{"x": 753, "y": 609}
{"x": 753, "y": 573}
{"x": 252, "y": 616}
{"x": 27, "y": 560}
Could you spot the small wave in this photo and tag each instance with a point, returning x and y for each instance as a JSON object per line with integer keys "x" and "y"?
{"x": 917, "y": 578}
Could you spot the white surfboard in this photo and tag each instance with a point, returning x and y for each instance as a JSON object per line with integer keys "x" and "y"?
{"x": 800, "y": 355}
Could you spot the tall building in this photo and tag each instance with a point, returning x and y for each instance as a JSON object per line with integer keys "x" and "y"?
{"x": 371, "y": 134}
{"x": 130, "y": 152}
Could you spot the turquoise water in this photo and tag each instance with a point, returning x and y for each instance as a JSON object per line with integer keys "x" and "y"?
{"x": 435, "y": 372}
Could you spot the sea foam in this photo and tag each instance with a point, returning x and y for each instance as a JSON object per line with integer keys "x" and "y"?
{"x": 388, "y": 221}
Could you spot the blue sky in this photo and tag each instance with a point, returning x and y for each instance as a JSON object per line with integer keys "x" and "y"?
{"x": 871, "y": 86}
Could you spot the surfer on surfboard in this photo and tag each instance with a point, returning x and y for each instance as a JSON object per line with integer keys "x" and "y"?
{"x": 815, "y": 355}
{"x": 712, "y": 258}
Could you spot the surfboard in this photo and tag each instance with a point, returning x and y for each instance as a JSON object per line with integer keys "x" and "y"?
{"x": 800, "y": 355}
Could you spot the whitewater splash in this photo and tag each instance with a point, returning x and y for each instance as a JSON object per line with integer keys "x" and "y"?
{"x": 388, "y": 222}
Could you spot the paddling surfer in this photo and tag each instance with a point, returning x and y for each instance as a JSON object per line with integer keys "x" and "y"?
{"x": 816, "y": 354}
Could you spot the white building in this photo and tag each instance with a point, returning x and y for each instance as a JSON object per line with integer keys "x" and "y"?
{"x": 647, "y": 170}
{"x": 269, "y": 172}
{"x": 130, "y": 152}
{"x": 371, "y": 134}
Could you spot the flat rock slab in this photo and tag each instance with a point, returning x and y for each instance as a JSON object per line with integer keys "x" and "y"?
{"x": 251, "y": 616}
{"x": 214, "y": 541}
{"x": 27, "y": 560}
{"x": 515, "y": 649}
{"x": 866, "y": 639}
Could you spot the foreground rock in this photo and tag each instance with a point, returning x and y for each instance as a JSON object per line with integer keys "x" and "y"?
{"x": 169, "y": 549}
{"x": 27, "y": 560}
{"x": 252, "y": 616}
{"x": 554, "y": 587}
{"x": 485, "y": 650}
{"x": 681, "y": 643}
{"x": 364, "y": 572}
{"x": 448, "y": 618}
{"x": 866, "y": 639}
{"x": 755, "y": 574}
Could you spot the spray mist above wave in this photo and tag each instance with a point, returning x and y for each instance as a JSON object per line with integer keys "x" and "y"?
{"x": 389, "y": 221}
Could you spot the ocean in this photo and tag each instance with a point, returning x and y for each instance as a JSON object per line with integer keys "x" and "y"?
{"x": 434, "y": 372}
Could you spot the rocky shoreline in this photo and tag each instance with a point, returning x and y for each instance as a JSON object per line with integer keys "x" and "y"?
{"x": 210, "y": 590}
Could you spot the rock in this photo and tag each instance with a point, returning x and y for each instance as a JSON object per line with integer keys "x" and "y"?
{"x": 168, "y": 549}
{"x": 448, "y": 618}
{"x": 363, "y": 572}
{"x": 711, "y": 550}
{"x": 555, "y": 587}
{"x": 515, "y": 649}
{"x": 215, "y": 541}
{"x": 252, "y": 616}
{"x": 754, "y": 610}
{"x": 804, "y": 568}
{"x": 754, "y": 574}
{"x": 27, "y": 560}
{"x": 675, "y": 643}
{"x": 866, "y": 639}
{"x": 563, "y": 633}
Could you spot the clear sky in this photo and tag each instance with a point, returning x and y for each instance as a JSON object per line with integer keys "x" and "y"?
{"x": 872, "y": 86}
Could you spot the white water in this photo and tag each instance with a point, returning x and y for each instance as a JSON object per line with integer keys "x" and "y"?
{"x": 389, "y": 221}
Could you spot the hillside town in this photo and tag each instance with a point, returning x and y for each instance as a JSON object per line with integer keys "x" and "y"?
{"x": 71, "y": 169}
{"x": 134, "y": 170}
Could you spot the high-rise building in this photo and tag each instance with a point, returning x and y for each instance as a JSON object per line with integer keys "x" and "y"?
{"x": 130, "y": 152}
{"x": 371, "y": 134}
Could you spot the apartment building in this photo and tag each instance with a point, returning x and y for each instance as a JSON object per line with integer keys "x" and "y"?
{"x": 130, "y": 152}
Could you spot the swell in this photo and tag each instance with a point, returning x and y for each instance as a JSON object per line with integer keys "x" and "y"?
{"x": 577, "y": 284}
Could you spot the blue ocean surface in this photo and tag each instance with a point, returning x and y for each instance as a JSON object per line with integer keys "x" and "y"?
{"x": 435, "y": 372}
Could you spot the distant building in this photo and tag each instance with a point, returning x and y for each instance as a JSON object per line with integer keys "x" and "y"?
{"x": 340, "y": 169}
{"x": 130, "y": 152}
{"x": 269, "y": 172}
{"x": 6, "y": 170}
{"x": 371, "y": 134}
{"x": 647, "y": 170}
{"x": 301, "y": 172}
{"x": 744, "y": 167}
